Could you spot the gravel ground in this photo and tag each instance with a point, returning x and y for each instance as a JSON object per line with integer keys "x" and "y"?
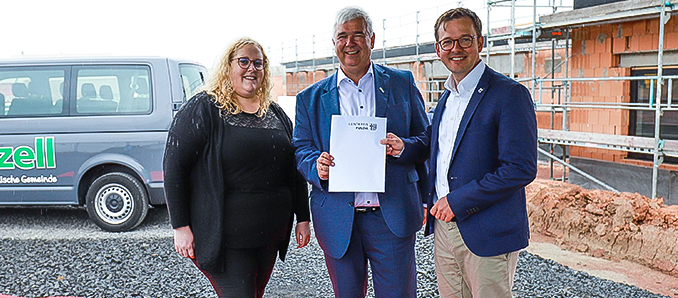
{"x": 59, "y": 252}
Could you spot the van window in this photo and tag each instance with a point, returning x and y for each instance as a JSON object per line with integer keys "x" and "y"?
{"x": 36, "y": 91}
{"x": 192, "y": 77}
{"x": 113, "y": 90}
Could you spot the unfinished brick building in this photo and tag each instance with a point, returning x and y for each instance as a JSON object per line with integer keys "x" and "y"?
{"x": 611, "y": 106}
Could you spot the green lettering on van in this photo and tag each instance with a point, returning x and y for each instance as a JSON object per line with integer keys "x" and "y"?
{"x": 51, "y": 154}
{"x": 39, "y": 153}
{"x": 26, "y": 158}
{"x": 5, "y": 153}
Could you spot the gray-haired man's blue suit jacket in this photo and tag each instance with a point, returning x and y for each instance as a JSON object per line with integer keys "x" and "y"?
{"x": 398, "y": 99}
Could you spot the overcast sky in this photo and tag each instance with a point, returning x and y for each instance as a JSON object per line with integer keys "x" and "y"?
{"x": 198, "y": 29}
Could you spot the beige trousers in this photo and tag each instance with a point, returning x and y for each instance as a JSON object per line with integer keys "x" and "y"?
{"x": 463, "y": 274}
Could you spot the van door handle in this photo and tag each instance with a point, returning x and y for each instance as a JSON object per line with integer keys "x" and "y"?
{"x": 176, "y": 106}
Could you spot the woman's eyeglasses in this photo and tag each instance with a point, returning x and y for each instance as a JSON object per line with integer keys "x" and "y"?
{"x": 244, "y": 63}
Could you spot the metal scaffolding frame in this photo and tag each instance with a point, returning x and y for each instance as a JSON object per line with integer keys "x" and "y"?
{"x": 658, "y": 147}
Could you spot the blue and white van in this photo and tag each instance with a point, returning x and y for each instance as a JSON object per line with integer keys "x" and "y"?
{"x": 90, "y": 132}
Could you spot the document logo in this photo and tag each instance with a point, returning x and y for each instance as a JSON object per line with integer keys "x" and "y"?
{"x": 363, "y": 125}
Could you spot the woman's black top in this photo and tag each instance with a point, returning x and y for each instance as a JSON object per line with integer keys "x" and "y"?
{"x": 232, "y": 179}
{"x": 258, "y": 155}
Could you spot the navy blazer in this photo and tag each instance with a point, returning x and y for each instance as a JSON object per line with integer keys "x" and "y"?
{"x": 398, "y": 99}
{"x": 494, "y": 158}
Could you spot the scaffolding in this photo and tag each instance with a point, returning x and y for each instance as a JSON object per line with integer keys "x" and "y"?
{"x": 658, "y": 147}
{"x": 547, "y": 27}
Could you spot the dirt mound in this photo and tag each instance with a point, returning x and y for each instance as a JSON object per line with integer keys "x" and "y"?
{"x": 604, "y": 224}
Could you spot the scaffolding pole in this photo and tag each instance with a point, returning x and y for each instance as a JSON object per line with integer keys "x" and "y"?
{"x": 658, "y": 159}
{"x": 416, "y": 68}
{"x": 568, "y": 94}
{"x": 296, "y": 55}
{"x": 383, "y": 42}
{"x": 568, "y": 85}
{"x": 512, "y": 41}
{"x": 553, "y": 157}
{"x": 534, "y": 47}
{"x": 489, "y": 32}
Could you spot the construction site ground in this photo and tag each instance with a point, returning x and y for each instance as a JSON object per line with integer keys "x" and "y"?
{"x": 621, "y": 237}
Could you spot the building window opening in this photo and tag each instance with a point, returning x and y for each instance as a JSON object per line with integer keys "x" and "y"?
{"x": 642, "y": 123}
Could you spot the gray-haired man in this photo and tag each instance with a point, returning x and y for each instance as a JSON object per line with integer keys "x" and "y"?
{"x": 354, "y": 228}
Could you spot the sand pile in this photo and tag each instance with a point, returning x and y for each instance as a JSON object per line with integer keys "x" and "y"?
{"x": 604, "y": 224}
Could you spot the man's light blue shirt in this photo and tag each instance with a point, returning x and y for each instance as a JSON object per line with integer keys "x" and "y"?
{"x": 358, "y": 100}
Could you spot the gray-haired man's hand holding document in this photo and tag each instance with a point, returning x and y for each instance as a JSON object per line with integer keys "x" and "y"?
{"x": 360, "y": 160}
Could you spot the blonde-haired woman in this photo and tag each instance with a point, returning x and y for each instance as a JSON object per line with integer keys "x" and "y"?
{"x": 231, "y": 185}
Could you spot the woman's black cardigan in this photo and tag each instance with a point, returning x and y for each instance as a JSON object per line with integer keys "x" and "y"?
{"x": 194, "y": 188}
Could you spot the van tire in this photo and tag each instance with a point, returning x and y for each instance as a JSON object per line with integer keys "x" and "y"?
{"x": 117, "y": 202}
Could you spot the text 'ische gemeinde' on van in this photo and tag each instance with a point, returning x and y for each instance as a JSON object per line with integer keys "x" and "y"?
{"x": 25, "y": 179}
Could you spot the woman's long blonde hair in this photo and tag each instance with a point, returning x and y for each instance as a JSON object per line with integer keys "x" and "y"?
{"x": 220, "y": 85}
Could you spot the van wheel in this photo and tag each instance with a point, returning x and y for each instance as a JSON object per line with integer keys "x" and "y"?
{"x": 117, "y": 202}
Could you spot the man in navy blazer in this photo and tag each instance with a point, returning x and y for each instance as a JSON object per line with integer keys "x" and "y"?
{"x": 482, "y": 146}
{"x": 354, "y": 228}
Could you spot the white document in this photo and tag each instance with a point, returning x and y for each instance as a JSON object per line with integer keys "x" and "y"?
{"x": 359, "y": 159}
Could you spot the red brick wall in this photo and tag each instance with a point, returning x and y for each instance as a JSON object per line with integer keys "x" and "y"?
{"x": 278, "y": 87}
{"x": 595, "y": 53}
{"x": 300, "y": 80}
{"x": 296, "y": 82}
